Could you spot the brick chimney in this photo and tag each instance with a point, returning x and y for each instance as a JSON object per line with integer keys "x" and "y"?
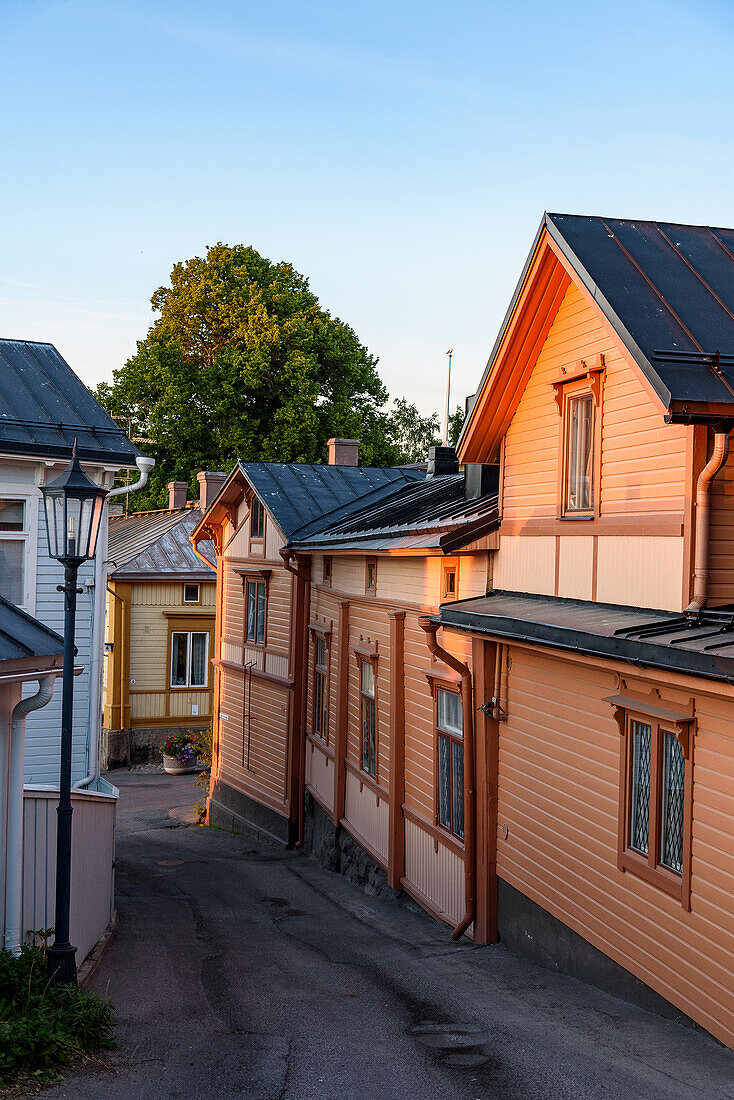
{"x": 209, "y": 485}
{"x": 343, "y": 452}
{"x": 177, "y": 491}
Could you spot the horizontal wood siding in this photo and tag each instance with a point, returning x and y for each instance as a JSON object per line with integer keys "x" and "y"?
{"x": 558, "y": 799}
{"x": 721, "y": 545}
{"x": 643, "y": 460}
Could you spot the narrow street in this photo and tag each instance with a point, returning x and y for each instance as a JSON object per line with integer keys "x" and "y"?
{"x": 242, "y": 970}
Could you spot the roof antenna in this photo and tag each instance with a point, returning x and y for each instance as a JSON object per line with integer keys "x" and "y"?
{"x": 450, "y": 352}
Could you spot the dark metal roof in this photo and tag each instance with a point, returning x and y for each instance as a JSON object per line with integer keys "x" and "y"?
{"x": 23, "y": 636}
{"x": 417, "y": 515}
{"x": 296, "y": 494}
{"x": 701, "y": 646}
{"x": 667, "y": 289}
{"x": 156, "y": 544}
{"x": 44, "y": 407}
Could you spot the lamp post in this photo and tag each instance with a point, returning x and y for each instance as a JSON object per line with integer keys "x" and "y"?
{"x": 73, "y": 505}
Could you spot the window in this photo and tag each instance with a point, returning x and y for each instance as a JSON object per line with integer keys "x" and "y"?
{"x": 450, "y": 762}
{"x": 448, "y": 582}
{"x": 370, "y": 577}
{"x": 256, "y": 595}
{"x": 321, "y": 688}
{"x": 189, "y": 659}
{"x": 369, "y": 718}
{"x": 327, "y": 569}
{"x": 191, "y": 593}
{"x": 655, "y": 797}
{"x": 12, "y": 550}
{"x": 257, "y": 519}
{"x": 579, "y": 462}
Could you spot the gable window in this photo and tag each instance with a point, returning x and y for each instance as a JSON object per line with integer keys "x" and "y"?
{"x": 321, "y": 688}
{"x": 13, "y": 537}
{"x": 190, "y": 659}
{"x": 256, "y": 599}
{"x": 449, "y": 581}
{"x": 257, "y": 519}
{"x": 368, "y": 716}
{"x": 370, "y": 577}
{"x": 450, "y": 761}
{"x": 656, "y": 787}
{"x": 579, "y": 471}
{"x": 191, "y": 593}
{"x": 327, "y": 569}
{"x": 578, "y": 395}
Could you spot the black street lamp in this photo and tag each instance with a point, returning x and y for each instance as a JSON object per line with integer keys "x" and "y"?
{"x": 73, "y": 506}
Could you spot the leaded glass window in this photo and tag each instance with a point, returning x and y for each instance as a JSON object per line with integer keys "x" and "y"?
{"x": 673, "y": 796}
{"x": 640, "y": 801}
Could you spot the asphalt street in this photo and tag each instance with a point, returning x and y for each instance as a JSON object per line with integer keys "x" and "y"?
{"x": 242, "y": 970}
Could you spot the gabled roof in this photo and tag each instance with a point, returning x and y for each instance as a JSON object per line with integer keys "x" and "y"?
{"x": 44, "y": 407}
{"x": 427, "y": 514}
{"x": 157, "y": 544}
{"x": 22, "y": 636}
{"x": 295, "y": 493}
{"x": 667, "y": 292}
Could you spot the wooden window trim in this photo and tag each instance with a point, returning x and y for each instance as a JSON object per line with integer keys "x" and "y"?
{"x": 182, "y": 628}
{"x": 255, "y": 577}
{"x": 447, "y": 567}
{"x": 320, "y": 631}
{"x": 317, "y": 627}
{"x": 662, "y": 718}
{"x": 443, "y": 675}
{"x": 365, "y": 654}
{"x": 444, "y": 684}
{"x": 586, "y": 377}
{"x": 258, "y": 538}
{"x": 327, "y": 581}
{"x": 191, "y": 584}
{"x": 370, "y": 563}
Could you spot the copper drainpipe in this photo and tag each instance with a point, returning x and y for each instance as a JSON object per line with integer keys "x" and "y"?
{"x": 201, "y": 557}
{"x": 497, "y": 699}
{"x": 701, "y": 570}
{"x": 301, "y": 573}
{"x": 464, "y": 671}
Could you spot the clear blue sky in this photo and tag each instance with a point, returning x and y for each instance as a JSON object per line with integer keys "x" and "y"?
{"x": 399, "y": 154}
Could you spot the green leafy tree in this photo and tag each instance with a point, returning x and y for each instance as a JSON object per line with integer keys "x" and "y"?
{"x": 456, "y": 423}
{"x": 243, "y": 362}
{"x": 412, "y": 433}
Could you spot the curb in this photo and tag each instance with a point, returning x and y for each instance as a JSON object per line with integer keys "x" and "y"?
{"x": 93, "y": 959}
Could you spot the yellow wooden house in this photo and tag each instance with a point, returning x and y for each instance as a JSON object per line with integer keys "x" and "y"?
{"x": 160, "y": 624}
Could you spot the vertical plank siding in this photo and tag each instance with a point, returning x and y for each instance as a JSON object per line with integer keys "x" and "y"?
{"x": 92, "y": 874}
{"x": 433, "y": 872}
{"x": 558, "y": 798}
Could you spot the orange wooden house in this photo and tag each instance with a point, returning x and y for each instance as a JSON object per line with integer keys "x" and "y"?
{"x": 608, "y": 401}
{"x": 578, "y": 663}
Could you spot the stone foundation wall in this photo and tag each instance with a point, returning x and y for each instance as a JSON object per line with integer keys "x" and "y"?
{"x": 125, "y": 748}
{"x": 337, "y": 851}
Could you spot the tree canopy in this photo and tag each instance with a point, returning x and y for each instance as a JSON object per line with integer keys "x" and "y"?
{"x": 243, "y": 362}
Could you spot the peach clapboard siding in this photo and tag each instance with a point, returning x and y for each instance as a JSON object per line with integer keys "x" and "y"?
{"x": 558, "y": 797}
{"x": 643, "y": 470}
{"x": 643, "y": 459}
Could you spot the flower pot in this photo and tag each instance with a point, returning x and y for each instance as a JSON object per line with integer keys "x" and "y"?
{"x": 173, "y": 766}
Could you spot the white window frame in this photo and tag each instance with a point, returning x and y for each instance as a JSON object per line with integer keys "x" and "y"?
{"x": 29, "y": 536}
{"x": 189, "y": 650}
{"x": 192, "y": 584}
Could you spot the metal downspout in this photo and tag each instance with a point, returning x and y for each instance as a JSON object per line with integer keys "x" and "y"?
{"x": 14, "y": 861}
{"x": 470, "y": 807}
{"x": 701, "y": 572}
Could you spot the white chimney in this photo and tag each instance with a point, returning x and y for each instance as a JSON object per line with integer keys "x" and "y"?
{"x": 343, "y": 452}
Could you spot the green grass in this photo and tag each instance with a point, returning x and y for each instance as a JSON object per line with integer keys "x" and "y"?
{"x": 42, "y": 1025}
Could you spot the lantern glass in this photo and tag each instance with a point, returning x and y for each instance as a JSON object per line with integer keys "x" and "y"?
{"x": 73, "y": 505}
